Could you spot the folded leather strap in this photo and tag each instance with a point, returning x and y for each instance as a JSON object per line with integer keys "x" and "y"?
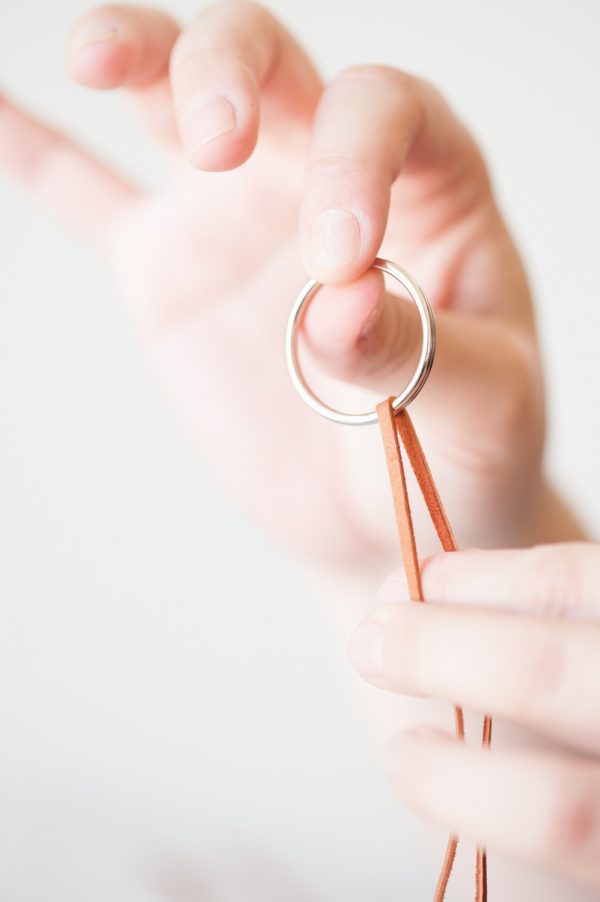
{"x": 397, "y": 428}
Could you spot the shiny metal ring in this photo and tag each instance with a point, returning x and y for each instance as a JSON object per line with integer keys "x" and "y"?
{"x": 409, "y": 393}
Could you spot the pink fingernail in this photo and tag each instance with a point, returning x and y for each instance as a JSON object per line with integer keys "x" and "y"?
{"x": 93, "y": 33}
{"x": 393, "y": 589}
{"x": 366, "y": 651}
{"x": 334, "y": 238}
{"x": 207, "y": 118}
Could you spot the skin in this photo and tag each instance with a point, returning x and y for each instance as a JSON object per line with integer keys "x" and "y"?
{"x": 536, "y": 610}
{"x": 211, "y": 262}
{"x": 258, "y": 153}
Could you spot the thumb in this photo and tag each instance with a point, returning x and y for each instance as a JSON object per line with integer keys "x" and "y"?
{"x": 485, "y": 375}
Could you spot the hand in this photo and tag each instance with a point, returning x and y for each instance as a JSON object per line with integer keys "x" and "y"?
{"x": 209, "y": 266}
{"x": 531, "y": 656}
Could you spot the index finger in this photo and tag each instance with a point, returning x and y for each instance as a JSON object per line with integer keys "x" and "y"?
{"x": 539, "y": 672}
{"x": 372, "y": 122}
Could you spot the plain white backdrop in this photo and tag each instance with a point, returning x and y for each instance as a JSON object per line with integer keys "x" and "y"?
{"x": 138, "y": 748}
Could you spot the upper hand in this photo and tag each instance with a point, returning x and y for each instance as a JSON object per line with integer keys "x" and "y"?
{"x": 209, "y": 266}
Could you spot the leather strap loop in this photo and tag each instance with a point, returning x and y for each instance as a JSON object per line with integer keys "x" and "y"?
{"x": 396, "y": 430}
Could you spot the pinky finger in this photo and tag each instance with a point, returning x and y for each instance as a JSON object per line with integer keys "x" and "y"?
{"x": 80, "y": 190}
{"x": 538, "y": 807}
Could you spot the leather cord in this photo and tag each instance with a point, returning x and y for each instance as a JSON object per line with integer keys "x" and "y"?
{"x": 397, "y": 430}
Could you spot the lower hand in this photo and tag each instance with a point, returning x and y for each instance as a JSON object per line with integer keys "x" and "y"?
{"x": 530, "y": 656}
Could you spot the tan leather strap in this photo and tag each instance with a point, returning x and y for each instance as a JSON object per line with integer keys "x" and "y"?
{"x": 397, "y": 428}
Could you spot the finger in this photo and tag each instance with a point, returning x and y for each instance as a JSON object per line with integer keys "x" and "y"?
{"x": 235, "y": 58}
{"x": 538, "y": 672}
{"x": 540, "y": 808}
{"x": 551, "y": 580}
{"x": 370, "y": 123}
{"x": 60, "y": 174}
{"x": 122, "y": 46}
{"x": 113, "y": 46}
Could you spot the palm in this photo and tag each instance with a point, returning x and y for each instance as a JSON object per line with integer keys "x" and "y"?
{"x": 210, "y": 266}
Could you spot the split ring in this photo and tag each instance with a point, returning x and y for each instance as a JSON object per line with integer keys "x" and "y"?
{"x": 419, "y": 377}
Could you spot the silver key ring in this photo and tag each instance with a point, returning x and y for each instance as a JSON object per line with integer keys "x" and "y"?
{"x": 412, "y": 389}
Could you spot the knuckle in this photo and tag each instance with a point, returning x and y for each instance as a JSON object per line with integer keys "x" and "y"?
{"x": 339, "y": 166}
{"x": 538, "y": 676}
{"x": 220, "y": 21}
{"x": 573, "y": 827}
{"x": 520, "y": 379}
{"x": 514, "y": 413}
{"x": 547, "y": 669}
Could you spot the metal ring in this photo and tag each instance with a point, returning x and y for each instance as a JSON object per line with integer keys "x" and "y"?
{"x": 409, "y": 393}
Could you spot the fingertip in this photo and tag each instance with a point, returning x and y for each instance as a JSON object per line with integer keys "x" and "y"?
{"x": 333, "y": 240}
{"x": 216, "y": 134}
{"x": 340, "y": 241}
{"x": 217, "y": 108}
{"x": 100, "y": 56}
{"x": 339, "y": 315}
{"x": 337, "y": 244}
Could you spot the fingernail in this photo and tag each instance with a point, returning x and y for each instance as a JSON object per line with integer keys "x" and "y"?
{"x": 93, "y": 33}
{"x": 207, "y": 118}
{"x": 334, "y": 238}
{"x": 366, "y": 651}
{"x": 393, "y": 589}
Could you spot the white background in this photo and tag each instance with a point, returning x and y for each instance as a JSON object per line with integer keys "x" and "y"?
{"x": 137, "y": 744}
